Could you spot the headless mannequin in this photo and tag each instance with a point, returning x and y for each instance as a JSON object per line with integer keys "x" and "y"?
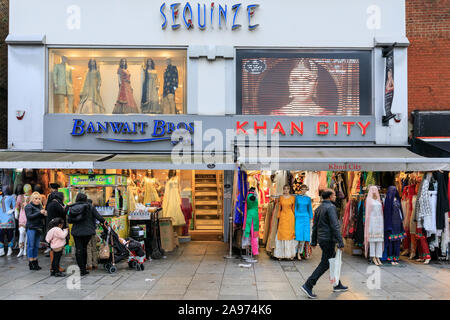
{"x": 7, "y": 221}
{"x": 20, "y": 215}
{"x": 170, "y": 86}
{"x": 301, "y": 244}
{"x": 62, "y": 83}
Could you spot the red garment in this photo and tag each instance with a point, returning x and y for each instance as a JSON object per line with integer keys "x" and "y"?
{"x": 422, "y": 244}
{"x": 186, "y": 208}
{"x": 125, "y": 101}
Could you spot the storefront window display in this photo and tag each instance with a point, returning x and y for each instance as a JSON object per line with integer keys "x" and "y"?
{"x": 294, "y": 83}
{"x": 117, "y": 81}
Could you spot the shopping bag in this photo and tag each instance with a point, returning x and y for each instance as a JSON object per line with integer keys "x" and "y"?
{"x": 335, "y": 267}
{"x": 104, "y": 251}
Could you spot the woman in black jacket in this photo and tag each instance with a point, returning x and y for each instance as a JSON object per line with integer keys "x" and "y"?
{"x": 83, "y": 230}
{"x": 55, "y": 209}
{"x": 35, "y": 225}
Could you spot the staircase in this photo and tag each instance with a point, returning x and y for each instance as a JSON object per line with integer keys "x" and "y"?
{"x": 208, "y": 205}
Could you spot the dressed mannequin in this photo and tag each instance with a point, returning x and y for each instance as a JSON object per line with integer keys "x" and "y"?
{"x": 23, "y": 198}
{"x": 423, "y": 216}
{"x": 251, "y": 221}
{"x": 393, "y": 224}
{"x": 303, "y": 217}
{"x": 90, "y": 99}
{"x": 172, "y": 201}
{"x": 150, "y": 87}
{"x": 62, "y": 86}
{"x": 285, "y": 243}
{"x": 132, "y": 192}
{"x": 374, "y": 226}
{"x": 170, "y": 86}
{"x": 125, "y": 101}
{"x": 150, "y": 186}
{"x": 7, "y": 221}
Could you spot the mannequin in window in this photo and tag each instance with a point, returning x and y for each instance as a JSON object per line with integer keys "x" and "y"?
{"x": 90, "y": 99}
{"x": 172, "y": 201}
{"x": 150, "y": 186}
{"x": 374, "y": 226}
{"x": 7, "y": 221}
{"x": 150, "y": 87}
{"x": 303, "y": 217}
{"x": 62, "y": 86}
{"x": 170, "y": 86}
{"x": 125, "y": 101}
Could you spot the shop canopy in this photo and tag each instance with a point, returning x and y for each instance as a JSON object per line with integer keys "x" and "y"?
{"x": 68, "y": 160}
{"x": 339, "y": 159}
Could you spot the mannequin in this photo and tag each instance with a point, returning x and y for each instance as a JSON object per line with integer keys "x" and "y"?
{"x": 150, "y": 87}
{"x": 393, "y": 224}
{"x": 374, "y": 226}
{"x": 23, "y": 197}
{"x": 125, "y": 100}
{"x": 90, "y": 99}
{"x": 170, "y": 86}
{"x": 150, "y": 186}
{"x": 285, "y": 243}
{"x": 62, "y": 86}
{"x": 172, "y": 200}
{"x": 303, "y": 217}
{"x": 7, "y": 221}
{"x": 251, "y": 221}
{"x": 132, "y": 192}
{"x": 423, "y": 216}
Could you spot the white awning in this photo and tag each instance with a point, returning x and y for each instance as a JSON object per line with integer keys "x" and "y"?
{"x": 48, "y": 160}
{"x": 339, "y": 159}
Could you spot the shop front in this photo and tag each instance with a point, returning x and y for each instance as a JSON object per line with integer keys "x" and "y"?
{"x": 182, "y": 101}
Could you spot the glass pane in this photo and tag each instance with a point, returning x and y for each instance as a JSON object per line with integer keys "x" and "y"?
{"x": 117, "y": 81}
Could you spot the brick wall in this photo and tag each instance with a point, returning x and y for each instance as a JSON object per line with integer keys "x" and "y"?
{"x": 428, "y": 30}
{"x": 4, "y": 27}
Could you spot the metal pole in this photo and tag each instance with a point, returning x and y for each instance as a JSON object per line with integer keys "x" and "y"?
{"x": 233, "y": 204}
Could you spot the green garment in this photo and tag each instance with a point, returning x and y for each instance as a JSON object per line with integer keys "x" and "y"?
{"x": 252, "y": 215}
{"x": 62, "y": 79}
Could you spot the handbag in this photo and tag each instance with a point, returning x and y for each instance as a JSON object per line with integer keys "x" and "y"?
{"x": 335, "y": 268}
{"x": 104, "y": 251}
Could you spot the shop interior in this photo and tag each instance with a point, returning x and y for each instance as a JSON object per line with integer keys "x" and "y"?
{"x": 414, "y": 206}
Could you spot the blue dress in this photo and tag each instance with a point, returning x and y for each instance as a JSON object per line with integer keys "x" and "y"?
{"x": 6, "y": 217}
{"x": 303, "y": 216}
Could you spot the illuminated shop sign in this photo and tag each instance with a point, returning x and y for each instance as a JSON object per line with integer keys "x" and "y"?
{"x": 207, "y": 16}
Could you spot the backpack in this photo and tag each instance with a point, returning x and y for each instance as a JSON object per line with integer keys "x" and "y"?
{"x": 77, "y": 212}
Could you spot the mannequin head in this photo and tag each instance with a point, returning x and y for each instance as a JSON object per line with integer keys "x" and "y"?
{"x": 251, "y": 192}
{"x": 303, "y": 189}
{"x": 92, "y": 64}
{"x": 27, "y": 189}
{"x": 63, "y": 59}
{"x": 123, "y": 63}
{"x": 150, "y": 64}
{"x": 286, "y": 190}
{"x": 172, "y": 173}
{"x": 169, "y": 61}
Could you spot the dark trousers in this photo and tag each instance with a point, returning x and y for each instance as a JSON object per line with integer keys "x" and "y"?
{"x": 56, "y": 260}
{"x": 81, "y": 244}
{"x": 328, "y": 252}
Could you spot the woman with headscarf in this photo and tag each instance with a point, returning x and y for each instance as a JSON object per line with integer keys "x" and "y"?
{"x": 374, "y": 226}
{"x": 393, "y": 224}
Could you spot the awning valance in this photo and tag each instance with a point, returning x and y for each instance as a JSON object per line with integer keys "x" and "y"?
{"x": 339, "y": 159}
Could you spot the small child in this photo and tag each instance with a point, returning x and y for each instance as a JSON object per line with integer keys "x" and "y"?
{"x": 56, "y": 237}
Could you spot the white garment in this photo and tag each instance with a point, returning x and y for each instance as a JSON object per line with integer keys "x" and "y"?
{"x": 376, "y": 225}
{"x": 285, "y": 249}
{"x": 172, "y": 203}
{"x": 280, "y": 181}
{"x": 445, "y": 237}
{"x": 301, "y": 246}
{"x": 312, "y": 180}
{"x": 433, "y": 203}
{"x": 376, "y": 249}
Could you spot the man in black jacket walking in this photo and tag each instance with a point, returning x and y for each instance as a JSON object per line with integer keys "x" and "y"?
{"x": 326, "y": 231}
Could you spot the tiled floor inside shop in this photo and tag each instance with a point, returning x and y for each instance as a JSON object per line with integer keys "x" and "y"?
{"x": 198, "y": 271}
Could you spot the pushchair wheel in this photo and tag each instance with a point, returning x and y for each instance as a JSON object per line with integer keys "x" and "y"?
{"x": 112, "y": 269}
{"x": 132, "y": 264}
{"x": 142, "y": 267}
{"x": 107, "y": 266}
{"x": 138, "y": 267}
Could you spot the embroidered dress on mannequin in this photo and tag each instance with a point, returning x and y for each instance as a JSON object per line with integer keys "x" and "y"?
{"x": 132, "y": 192}
{"x": 172, "y": 202}
{"x": 374, "y": 225}
{"x": 150, "y": 193}
{"x": 150, "y": 87}
{"x": 303, "y": 216}
{"x": 393, "y": 224}
{"x": 168, "y": 104}
{"x": 90, "y": 99}
{"x": 285, "y": 244}
{"x": 125, "y": 101}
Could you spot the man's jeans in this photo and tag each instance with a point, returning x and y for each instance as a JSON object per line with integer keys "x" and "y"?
{"x": 328, "y": 252}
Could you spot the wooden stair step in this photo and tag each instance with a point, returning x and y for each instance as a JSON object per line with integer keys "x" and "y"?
{"x": 205, "y": 194}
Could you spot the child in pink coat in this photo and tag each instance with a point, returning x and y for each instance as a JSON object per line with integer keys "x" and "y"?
{"x": 56, "y": 237}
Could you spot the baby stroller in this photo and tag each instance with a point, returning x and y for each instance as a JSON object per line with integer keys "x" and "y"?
{"x": 131, "y": 250}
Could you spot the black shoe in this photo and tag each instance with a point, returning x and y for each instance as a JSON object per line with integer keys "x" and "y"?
{"x": 31, "y": 265}
{"x": 340, "y": 288}
{"x": 84, "y": 273}
{"x": 308, "y": 292}
{"x": 59, "y": 274}
{"x": 36, "y": 265}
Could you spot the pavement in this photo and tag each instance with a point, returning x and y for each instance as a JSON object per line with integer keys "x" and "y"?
{"x": 198, "y": 271}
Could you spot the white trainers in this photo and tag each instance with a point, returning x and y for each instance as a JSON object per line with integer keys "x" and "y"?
{"x": 2, "y": 252}
{"x": 47, "y": 250}
{"x": 10, "y": 251}
{"x": 21, "y": 253}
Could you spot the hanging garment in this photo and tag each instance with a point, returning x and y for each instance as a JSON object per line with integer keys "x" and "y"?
{"x": 8, "y": 204}
{"x": 150, "y": 87}
{"x": 90, "y": 99}
{"x": 125, "y": 101}
{"x": 359, "y": 225}
{"x": 132, "y": 192}
{"x": 170, "y": 80}
{"x": 252, "y": 182}
{"x": 393, "y": 224}
{"x": 150, "y": 193}
{"x": 346, "y": 219}
{"x": 303, "y": 216}
{"x": 424, "y": 214}
{"x": 323, "y": 180}
{"x": 62, "y": 79}
{"x": 285, "y": 244}
{"x": 298, "y": 181}
{"x": 186, "y": 207}
{"x": 271, "y": 239}
{"x": 312, "y": 180}
{"x": 442, "y": 205}
{"x": 241, "y": 197}
{"x": 373, "y": 224}
{"x": 370, "y": 179}
{"x": 356, "y": 183}
{"x": 267, "y": 221}
{"x": 172, "y": 203}
{"x": 433, "y": 204}
{"x": 280, "y": 182}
